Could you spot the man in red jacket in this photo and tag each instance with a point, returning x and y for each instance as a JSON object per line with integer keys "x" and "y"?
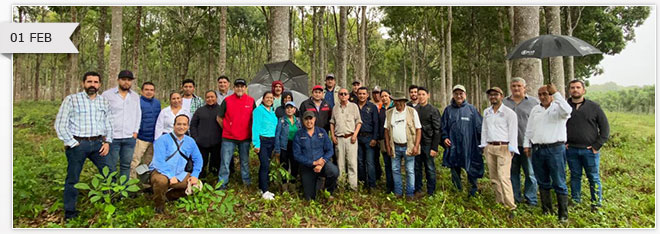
{"x": 235, "y": 117}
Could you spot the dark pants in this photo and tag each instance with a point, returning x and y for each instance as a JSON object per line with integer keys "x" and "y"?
{"x": 577, "y": 160}
{"x": 389, "y": 179}
{"x": 164, "y": 191}
{"x": 426, "y": 162}
{"x": 456, "y": 179}
{"x": 121, "y": 150}
{"x": 377, "y": 165}
{"x": 76, "y": 157}
{"x": 211, "y": 157}
{"x": 288, "y": 163}
{"x": 549, "y": 168}
{"x": 366, "y": 162}
{"x": 521, "y": 161}
{"x": 265, "y": 152}
{"x": 309, "y": 179}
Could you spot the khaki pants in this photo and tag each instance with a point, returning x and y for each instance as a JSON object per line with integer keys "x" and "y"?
{"x": 162, "y": 192}
{"x": 347, "y": 161}
{"x": 499, "y": 158}
{"x": 144, "y": 152}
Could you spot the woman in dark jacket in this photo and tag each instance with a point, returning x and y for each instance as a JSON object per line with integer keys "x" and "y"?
{"x": 206, "y": 131}
{"x": 280, "y": 111}
{"x": 287, "y": 126}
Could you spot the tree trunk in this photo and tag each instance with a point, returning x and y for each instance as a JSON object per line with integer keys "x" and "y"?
{"x": 363, "y": 46}
{"x": 279, "y": 34}
{"x": 321, "y": 45}
{"x": 556, "y": 63}
{"x": 136, "y": 44}
{"x": 570, "y": 26}
{"x": 100, "y": 40}
{"x": 292, "y": 52}
{"x": 74, "y": 80}
{"x": 314, "y": 50}
{"x": 222, "y": 57}
{"x": 526, "y": 26}
{"x": 37, "y": 71}
{"x": 115, "y": 46}
{"x": 507, "y": 63}
{"x": 443, "y": 66}
{"x": 341, "y": 46}
{"x": 450, "y": 76}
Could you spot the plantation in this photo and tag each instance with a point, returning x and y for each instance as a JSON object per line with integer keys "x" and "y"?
{"x": 39, "y": 169}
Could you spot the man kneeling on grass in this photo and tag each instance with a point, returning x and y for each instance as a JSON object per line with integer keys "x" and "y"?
{"x": 176, "y": 165}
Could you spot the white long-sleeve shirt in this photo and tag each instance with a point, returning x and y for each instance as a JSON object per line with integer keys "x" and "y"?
{"x": 547, "y": 126}
{"x": 125, "y": 111}
{"x": 500, "y": 126}
{"x": 165, "y": 121}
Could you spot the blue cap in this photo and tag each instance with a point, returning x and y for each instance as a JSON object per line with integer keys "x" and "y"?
{"x": 290, "y": 104}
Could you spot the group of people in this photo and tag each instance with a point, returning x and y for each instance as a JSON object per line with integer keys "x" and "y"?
{"x": 338, "y": 135}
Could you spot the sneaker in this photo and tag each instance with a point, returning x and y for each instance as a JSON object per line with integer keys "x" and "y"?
{"x": 268, "y": 195}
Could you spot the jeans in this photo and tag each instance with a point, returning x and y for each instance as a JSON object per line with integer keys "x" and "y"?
{"x": 366, "y": 161}
{"x": 309, "y": 179}
{"x": 265, "y": 152}
{"x": 549, "y": 168}
{"x": 122, "y": 150}
{"x": 76, "y": 157}
{"x": 400, "y": 152}
{"x": 228, "y": 154}
{"x": 584, "y": 158}
{"x": 288, "y": 162}
{"x": 424, "y": 162}
{"x": 523, "y": 161}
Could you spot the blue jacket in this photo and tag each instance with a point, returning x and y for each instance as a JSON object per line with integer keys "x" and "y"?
{"x": 264, "y": 123}
{"x": 369, "y": 115}
{"x": 150, "y": 110}
{"x": 282, "y": 133}
{"x": 308, "y": 149}
{"x": 462, "y": 125}
{"x": 175, "y": 167}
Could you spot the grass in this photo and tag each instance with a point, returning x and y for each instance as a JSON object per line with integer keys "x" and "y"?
{"x": 39, "y": 169}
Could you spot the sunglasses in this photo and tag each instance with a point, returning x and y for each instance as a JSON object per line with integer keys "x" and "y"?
{"x": 343, "y": 94}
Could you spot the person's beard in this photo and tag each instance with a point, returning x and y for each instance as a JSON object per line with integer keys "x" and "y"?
{"x": 576, "y": 96}
{"x": 91, "y": 90}
{"x": 124, "y": 88}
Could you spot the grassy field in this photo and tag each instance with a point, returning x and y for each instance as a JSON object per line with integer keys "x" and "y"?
{"x": 39, "y": 169}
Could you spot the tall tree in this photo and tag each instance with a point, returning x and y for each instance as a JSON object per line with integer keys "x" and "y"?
{"x": 341, "y": 46}
{"x": 100, "y": 40}
{"x": 363, "y": 47}
{"x": 74, "y": 81}
{"x": 279, "y": 33}
{"x": 526, "y": 26}
{"x": 115, "y": 46}
{"x": 570, "y": 26}
{"x": 552, "y": 15}
{"x": 222, "y": 56}
{"x": 136, "y": 43}
{"x": 450, "y": 75}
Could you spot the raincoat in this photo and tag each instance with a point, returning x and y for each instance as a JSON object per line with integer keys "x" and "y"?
{"x": 462, "y": 125}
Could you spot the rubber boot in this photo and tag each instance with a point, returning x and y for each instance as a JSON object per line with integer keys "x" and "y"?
{"x": 546, "y": 201}
{"x": 562, "y": 209}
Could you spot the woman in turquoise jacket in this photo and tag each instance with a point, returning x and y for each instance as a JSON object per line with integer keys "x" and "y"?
{"x": 263, "y": 139}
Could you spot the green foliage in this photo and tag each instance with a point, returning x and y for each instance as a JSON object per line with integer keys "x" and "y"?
{"x": 104, "y": 190}
{"x": 209, "y": 199}
{"x": 637, "y": 100}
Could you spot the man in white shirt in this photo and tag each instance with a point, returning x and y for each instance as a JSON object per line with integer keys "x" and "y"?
{"x": 126, "y": 117}
{"x": 545, "y": 139}
{"x": 499, "y": 140}
{"x": 403, "y": 134}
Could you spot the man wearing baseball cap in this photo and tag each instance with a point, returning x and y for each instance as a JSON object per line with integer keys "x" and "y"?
{"x": 330, "y": 93}
{"x": 319, "y": 106}
{"x": 461, "y": 134}
{"x": 499, "y": 141}
{"x": 354, "y": 98}
{"x": 126, "y": 117}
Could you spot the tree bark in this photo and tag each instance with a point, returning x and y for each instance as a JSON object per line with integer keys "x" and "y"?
{"x": 74, "y": 80}
{"x": 222, "y": 57}
{"x": 450, "y": 76}
{"x": 321, "y": 45}
{"x": 443, "y": 66}
{"x": 292, "y": 52}
{"x": 363, "y": 46}
{"x": 279, "y": 34}
{"x": 341, "y": 44}
{"x": 136, "y": 45}
{"x": 115, "y": 46}
{"x": 314, "y": 51}
{"x": 553, "y": 21}
{"x": 100, "y": 40}
{"x": 526, "y": 26}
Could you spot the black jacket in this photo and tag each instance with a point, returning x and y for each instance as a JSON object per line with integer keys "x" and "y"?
{"x": 322, "y": 116}
{"x": 204, "y": 128}
{"x": 429, "y": 117}
{"x": 588, "y": 125}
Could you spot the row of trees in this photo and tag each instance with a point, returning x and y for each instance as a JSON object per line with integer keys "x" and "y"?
{"x": 437, "y": 47}
{"x": 638, "y": 99}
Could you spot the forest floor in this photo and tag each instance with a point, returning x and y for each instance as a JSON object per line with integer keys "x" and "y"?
{"x": 39, "y": 169}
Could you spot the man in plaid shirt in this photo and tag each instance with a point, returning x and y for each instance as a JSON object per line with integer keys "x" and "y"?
{"x": 83, "y": 123}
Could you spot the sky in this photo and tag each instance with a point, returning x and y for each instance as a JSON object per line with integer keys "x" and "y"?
{"x": 636, "y": 64}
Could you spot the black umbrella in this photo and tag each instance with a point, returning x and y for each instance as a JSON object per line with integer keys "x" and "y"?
{"x": 293, "y": 78}
{"x": 550, "y": 45}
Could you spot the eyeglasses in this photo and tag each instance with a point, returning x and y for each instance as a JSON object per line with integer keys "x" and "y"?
{"x": 343, "y": 94}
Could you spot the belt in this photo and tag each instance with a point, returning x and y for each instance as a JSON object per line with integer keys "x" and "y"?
{"x": 498, "y": 143}
{"x": 542, "y": 146}
{"x": 401, "y": 145}
{"x": 364, "y": 134}
{"x": 92, "y": 138}
{"x": 266, "y": 138}
{"x": 346, "y": 135}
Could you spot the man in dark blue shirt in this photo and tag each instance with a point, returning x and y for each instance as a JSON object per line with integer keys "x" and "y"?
{"x": 313, "y": 150}
{"x": 367, "y": 139}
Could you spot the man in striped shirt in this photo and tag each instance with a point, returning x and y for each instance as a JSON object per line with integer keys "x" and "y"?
{"x": 83, "y": 123}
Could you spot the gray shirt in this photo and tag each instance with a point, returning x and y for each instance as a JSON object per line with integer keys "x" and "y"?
{"x": 522, "y": 110}
{"x": 221, "y": 97}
